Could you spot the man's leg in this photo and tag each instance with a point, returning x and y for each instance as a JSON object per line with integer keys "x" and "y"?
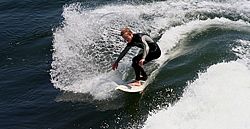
{"x": 139, "y": 71}
{"x": 137, "y": 67}
{"x": 151, "y": 56}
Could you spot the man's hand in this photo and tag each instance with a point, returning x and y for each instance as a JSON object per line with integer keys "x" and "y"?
{"x": 114, "y": 66}
{"x": 141, "y": 62}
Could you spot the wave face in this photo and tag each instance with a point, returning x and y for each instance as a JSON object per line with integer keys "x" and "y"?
{"x": 218, "y": 98}
{"x": 202, "y": 77}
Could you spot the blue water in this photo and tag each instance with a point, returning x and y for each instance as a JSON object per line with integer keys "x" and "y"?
{"x": 56, "y": 57}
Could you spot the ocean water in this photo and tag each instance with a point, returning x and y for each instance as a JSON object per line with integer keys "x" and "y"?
{"x": 56, "y": 56}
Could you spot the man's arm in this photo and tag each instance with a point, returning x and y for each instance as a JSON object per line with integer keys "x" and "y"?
{"x": 122, "y": 54}
{"x": 145, "y": 39}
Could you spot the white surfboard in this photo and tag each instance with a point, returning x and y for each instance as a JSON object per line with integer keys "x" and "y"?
{"x": 139, "y": 89}
{"x": 132, "y": 89}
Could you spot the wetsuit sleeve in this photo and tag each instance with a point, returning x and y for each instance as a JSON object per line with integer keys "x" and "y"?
{"x": 123, "y": 53}
{"x": 145, "y": 40}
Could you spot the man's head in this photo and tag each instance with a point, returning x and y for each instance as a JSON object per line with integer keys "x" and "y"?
{"x": 127, "y": 34}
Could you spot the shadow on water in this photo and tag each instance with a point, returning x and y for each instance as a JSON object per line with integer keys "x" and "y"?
{"x": 100, "y": 105}
{"x": 125, "y": 108}
{"x": 130, "y": 101}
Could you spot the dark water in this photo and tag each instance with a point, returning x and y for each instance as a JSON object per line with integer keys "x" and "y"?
{"x": 56, "y": 56}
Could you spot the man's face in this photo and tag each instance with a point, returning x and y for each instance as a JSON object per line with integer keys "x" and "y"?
{"x": 127, "y": 37}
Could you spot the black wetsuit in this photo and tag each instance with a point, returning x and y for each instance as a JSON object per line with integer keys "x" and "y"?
{"x": 151, "y": 51}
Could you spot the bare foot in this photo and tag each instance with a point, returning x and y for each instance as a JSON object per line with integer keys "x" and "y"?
{"x": 135, "y": 83}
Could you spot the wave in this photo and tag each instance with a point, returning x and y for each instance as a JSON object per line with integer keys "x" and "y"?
{"x": 88, "y": 40}
{"x": 218, "y": 98}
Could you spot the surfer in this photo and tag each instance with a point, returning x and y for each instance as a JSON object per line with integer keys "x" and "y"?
{"x": 150, "y": 52}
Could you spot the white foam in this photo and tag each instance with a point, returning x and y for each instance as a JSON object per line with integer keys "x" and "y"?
{"x": 175, "y": 35}
{"x": 243, "y": 51}
{"x": 98, "y": 86}
{"x": 219, "y": 98}
{"x": 85, "y": 44}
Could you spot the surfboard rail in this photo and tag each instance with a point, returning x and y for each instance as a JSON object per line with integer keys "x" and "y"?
{"x": 131, "y": 89}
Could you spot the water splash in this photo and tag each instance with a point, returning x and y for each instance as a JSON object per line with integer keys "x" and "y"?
{"x": 218, "y": 98}
{"x": 88, "y": 41}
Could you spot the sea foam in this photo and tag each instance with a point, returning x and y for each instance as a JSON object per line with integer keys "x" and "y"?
{"x": 219, "y": 98}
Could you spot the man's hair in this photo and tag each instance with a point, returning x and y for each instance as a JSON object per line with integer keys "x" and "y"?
{"x": 126, "y": 30}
